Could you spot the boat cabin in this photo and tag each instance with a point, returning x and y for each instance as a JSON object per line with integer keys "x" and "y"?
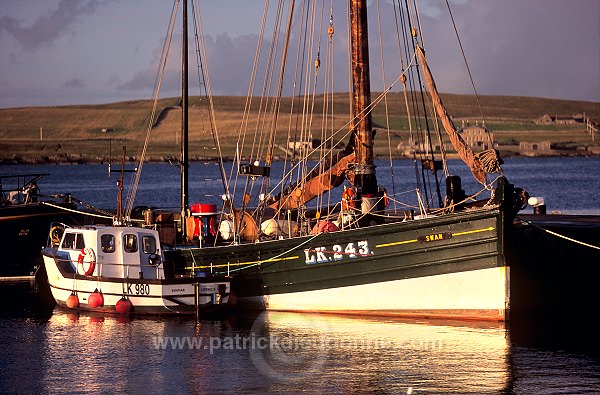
{"x": 108, "y": 251}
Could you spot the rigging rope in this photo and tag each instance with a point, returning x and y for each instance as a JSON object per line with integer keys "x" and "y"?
{"x": 466, "y": 63}
{"x": 203, "y": 77}
{"x": 247, "y": 107}
{"x": 158, "y": 84}
{"x": 387, "y": 116}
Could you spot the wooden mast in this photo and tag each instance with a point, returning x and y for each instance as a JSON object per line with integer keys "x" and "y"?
{"x": 184, "y": 122}
{"x": 365, "y": 179}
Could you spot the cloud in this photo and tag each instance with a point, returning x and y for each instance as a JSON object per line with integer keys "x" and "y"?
{"x": 114, "y": 81}
{"x": 50, "y": 26}
{"x": 74, "y": 83}
{"x": 229, "y": 63}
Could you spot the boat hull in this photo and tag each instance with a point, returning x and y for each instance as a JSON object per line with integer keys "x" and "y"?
{"x": 147, "y": 296}
{"x": 555, "y": 266}
{"x": 474, "y": 295}
{"x": 447, "y": 266}
{"x": 24, "y": 228}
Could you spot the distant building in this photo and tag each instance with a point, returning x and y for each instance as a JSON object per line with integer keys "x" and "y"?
{"x": 412, "y": 146}
{"x": 535, "y": 149}
{"x": 304, "y": 145}
{"x": 477, "y": 137}
{"x": 560, "y": 120}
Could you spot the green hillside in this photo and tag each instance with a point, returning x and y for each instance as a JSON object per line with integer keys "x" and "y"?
{"x": 75, "y": 133}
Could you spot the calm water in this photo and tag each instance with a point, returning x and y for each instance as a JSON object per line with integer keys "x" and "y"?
{"x": 47, "y": 350}
{"x": 571, "y": 185}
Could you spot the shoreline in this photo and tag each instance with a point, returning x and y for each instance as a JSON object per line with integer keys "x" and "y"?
{"x": 83, "y": 159}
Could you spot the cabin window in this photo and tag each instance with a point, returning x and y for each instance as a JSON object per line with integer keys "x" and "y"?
{"x": 149, "y": 244}
{"x": 73, "y": 241}
{"x": 130, "y": 243}
{"x": 107, "y": 243}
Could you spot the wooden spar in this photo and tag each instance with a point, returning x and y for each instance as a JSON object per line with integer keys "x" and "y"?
{"x": 364, "y": 170}
{"x": 357, "y": 167}
{"x": 464, "y": 151}
{"x": 322, "y": 182}
{"x": 184, "y": 121}
{"x": 318, "y": 181}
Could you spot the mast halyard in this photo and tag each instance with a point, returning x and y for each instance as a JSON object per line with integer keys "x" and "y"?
{"x": 184, "y": 122}
{"x": 365, "y": 179}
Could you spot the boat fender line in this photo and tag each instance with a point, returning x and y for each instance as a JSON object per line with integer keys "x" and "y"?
{"x": 88, "y": 265}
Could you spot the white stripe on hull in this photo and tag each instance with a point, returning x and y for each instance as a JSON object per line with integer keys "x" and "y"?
{"x": 476, "y": 294}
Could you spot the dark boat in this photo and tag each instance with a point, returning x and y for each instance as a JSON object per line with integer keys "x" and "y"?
{"x": 554, "y": 267}
{"x": 25, "y": 219}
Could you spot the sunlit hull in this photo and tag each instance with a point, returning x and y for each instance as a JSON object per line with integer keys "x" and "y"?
{"x": 147, "y": 296}
{"x": 475, "y": 295}
{"x": 451, "y": 266}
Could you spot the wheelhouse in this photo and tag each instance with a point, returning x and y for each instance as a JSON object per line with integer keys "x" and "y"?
{"x": 113, "y": 251}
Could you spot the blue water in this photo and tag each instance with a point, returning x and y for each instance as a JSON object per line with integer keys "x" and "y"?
{"x": 570, "y": 185}
{"x": 48, "y": 350}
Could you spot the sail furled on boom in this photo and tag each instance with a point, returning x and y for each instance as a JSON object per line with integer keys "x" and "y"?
{"x": 480, "y": 164}
{"x": 319, "y": 180}
{"x": 322, "y": 182}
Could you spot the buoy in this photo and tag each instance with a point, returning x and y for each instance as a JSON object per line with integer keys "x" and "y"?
{"x": 123, "y": 306}
{"x": 226, "y": 229}
{"x": 276, "y": 227}
{"x": 73, "y": 301}
{"x": 95, "y": 299}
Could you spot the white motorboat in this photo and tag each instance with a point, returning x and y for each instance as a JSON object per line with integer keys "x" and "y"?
{"x": 122, "y": 269}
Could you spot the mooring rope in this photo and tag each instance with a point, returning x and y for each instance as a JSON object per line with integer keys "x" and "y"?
{"x": 85, "y": 213}
{"x": 559, "y": 235}
{"x": 76, "y": 211}
{"x": 275, "y": 258}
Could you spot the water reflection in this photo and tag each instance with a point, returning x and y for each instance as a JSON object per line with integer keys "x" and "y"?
{"x": 276, "y": 352}
{"x": 341, "y": 354}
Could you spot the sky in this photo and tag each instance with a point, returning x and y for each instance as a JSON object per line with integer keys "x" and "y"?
{"x": 60, "y": 52}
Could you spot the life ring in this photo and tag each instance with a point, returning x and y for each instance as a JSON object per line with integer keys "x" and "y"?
{"x": 87, "y": 265}
{"x": 56, "y": 234}
{"x": 348, "y": 199}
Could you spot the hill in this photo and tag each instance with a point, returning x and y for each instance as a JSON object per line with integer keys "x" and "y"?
{"x": 90, "y": 132}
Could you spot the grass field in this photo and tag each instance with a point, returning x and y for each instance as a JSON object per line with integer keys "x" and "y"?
{"x": 74, "y": 133}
